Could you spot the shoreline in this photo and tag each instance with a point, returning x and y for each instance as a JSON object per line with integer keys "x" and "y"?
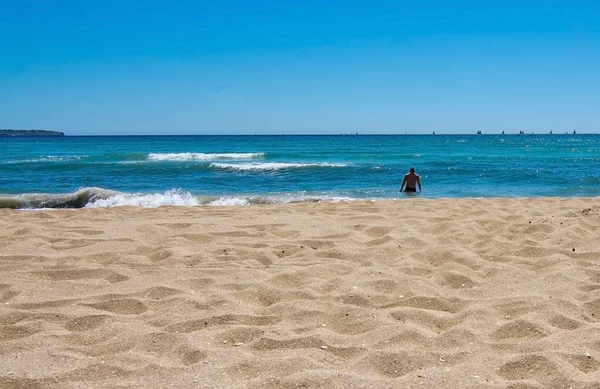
{"x": 90, "y": 198}
{"x": 452, "y": 293}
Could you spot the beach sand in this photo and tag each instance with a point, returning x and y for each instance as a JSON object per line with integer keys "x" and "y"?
{"x": 411, "y": 293}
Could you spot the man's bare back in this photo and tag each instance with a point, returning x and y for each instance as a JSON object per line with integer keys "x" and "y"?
{"x": 411, "y": 181}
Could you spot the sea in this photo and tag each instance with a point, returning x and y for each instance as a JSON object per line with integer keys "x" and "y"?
{"x": 245, "y": 170}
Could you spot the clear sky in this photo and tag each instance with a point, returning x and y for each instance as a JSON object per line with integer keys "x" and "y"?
{"x": 244, "y": 67}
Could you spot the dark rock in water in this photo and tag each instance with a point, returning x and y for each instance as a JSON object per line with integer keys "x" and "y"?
{"x": 6, "y": 132}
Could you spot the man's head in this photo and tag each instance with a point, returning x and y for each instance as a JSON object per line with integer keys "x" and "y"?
{"x": 412, "y": 169}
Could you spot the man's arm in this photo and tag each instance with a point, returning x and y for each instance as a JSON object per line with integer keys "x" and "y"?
{"x": 403, "y": 183}
{"x": 419, "y": 183}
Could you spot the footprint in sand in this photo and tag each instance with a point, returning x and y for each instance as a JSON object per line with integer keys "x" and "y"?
{"x": 584, "y": 362}
{"x": 197, "y": 238}
{"x": 68, "y": 244}
{"x": 519, "y": 329}
{"x": 6, "y": 293}
{"x": 537, "y": 368}
{"x": 393, "y": 364}
{"x": 452, "y": 305}
{"x": 175, "y": 226}
{"x": 158, "y": 342}
{"x": 379, "y": 241}
{"x": 14, "y": 317}
{"x": 12, "y": 332}
{"x": 159, "y": 293}
{"x": 85, "y": 323}
{"x": 190, "y": 355}
{"x": 81, "y": 274}
{"x": 431, "y": 320}
{"x": 377, "y": 232}
{"x": 224, "y": 320}
{"x": 593, "y": 307}
{"x": 456, "y": 280}
{"x": 564, "y": 323}
{"x": 239, "y": 335}
{"x": 121, "y": 306}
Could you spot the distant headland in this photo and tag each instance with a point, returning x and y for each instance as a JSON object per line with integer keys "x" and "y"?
{"x": 5, "y": 132}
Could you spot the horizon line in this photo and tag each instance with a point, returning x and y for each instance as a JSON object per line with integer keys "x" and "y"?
{"x": 344, "y": 133}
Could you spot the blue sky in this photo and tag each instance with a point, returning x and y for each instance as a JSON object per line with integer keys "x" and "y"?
{"x": 244, "y": 67}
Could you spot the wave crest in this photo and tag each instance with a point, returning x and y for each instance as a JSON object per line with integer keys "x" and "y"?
{"x": 272, "y": 165}
{"x": 78, "y": 199}
{"x": 202, "y": 156}
{"x": 104, "y": 198}
{"x": 174, "y": 197}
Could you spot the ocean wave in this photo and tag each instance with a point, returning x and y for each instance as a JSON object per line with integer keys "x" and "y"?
{"x": 178, "y": 197}
{"x": 47, "y": 158}
{"x": 174, "y": 197}
{"x": 78, "y": 199}
{"x": 272, "y": 165}
{"x": 98, "y": 198}
{"x": 265, "y": 200}
{"x": 202, "y": 156}
{"x": 104, "y": 198}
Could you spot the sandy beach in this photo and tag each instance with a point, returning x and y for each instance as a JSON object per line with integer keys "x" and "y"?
{"x": 412, "y": 293}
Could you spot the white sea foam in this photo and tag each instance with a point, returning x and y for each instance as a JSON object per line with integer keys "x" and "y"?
{"x": 202, "y": 156}
{"x": 175, "y": 197}
{"x": 318, "y": 198}
{"x": 229, "y": 201}
{"x": 272, "y": 165}
{"x": 47, "y": 158}
{"x": 279, "y": 199}
{"x": 103, "y": 198}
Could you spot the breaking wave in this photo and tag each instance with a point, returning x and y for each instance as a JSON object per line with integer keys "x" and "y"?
{"x": 104, "y": 198}
{"x": 78, "y": 199}
{"x": 202, "y": 156}
{"x": 272, "y": 165}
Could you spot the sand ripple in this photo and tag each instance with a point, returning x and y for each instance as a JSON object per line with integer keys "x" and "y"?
{"x": 494, "y": 293}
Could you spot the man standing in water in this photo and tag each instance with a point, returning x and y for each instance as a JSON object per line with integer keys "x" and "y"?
{"x": 410, "y": 182}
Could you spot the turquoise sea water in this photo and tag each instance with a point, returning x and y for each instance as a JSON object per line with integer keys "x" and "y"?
{"x": 148, "y": 171}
